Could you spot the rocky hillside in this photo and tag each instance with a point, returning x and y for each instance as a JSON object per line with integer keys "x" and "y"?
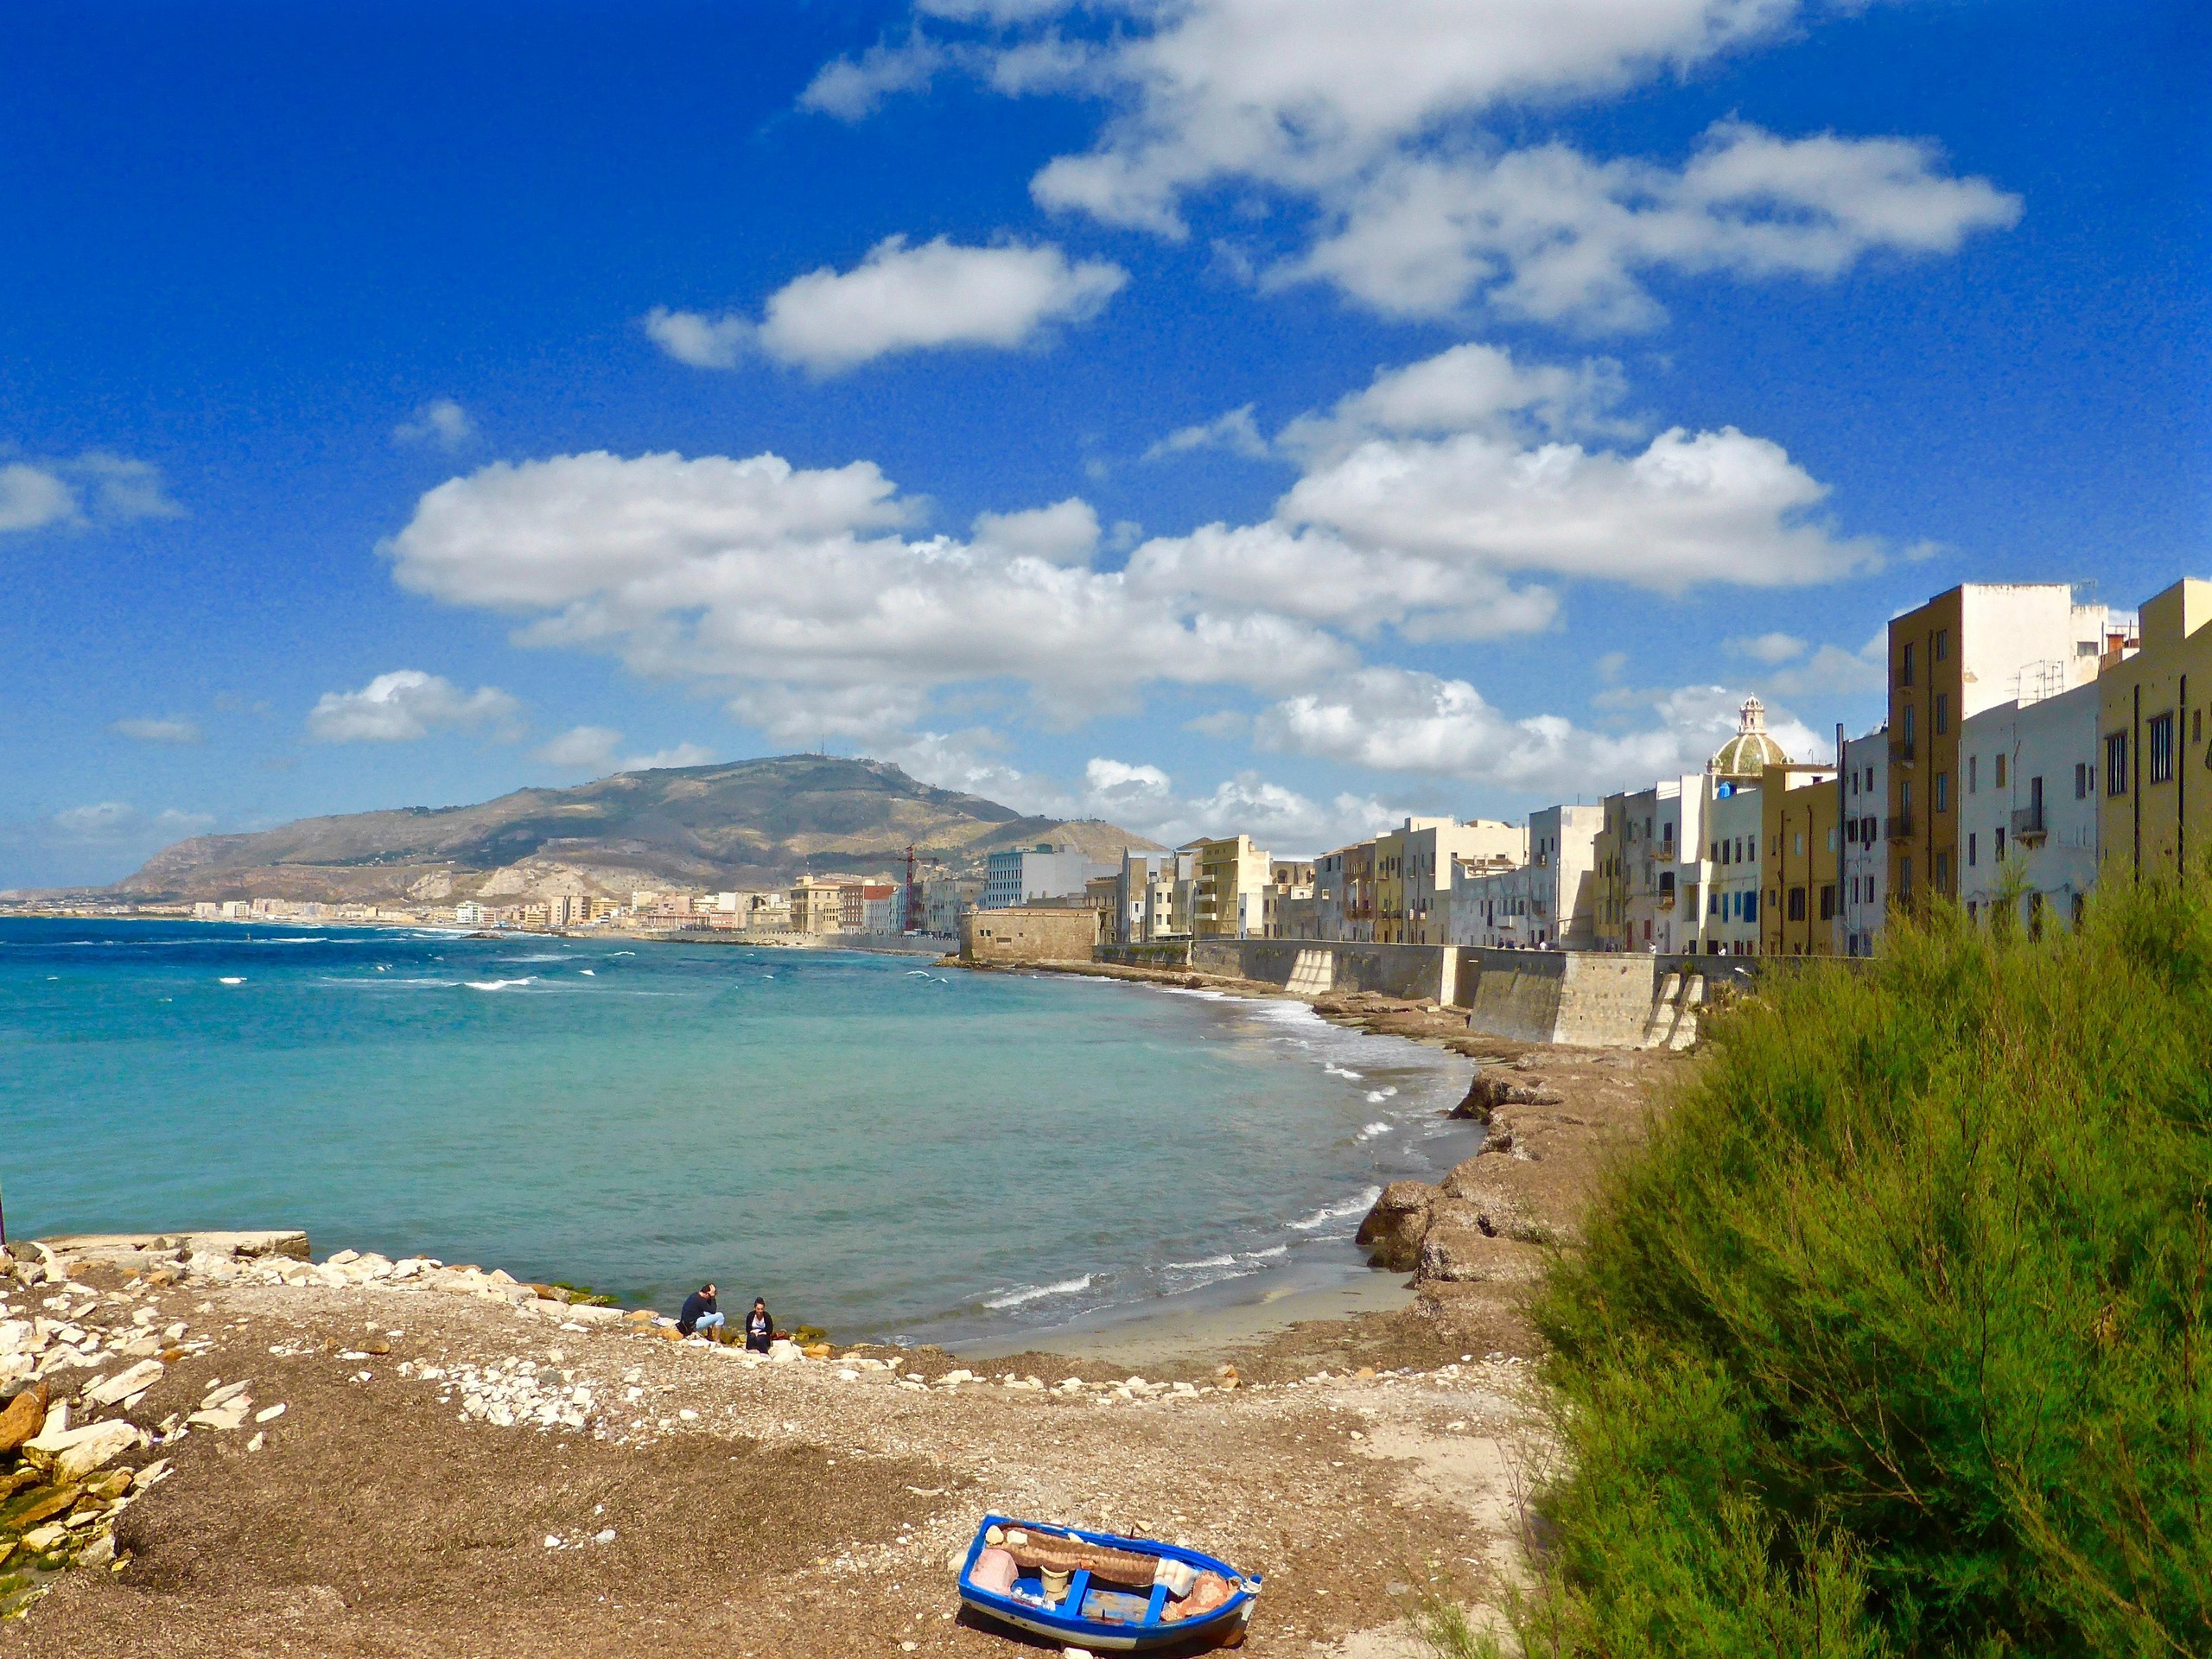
{"x": 748, "y": 824}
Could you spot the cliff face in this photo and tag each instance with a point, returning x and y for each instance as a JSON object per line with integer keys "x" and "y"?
{"x": 751, "y": 823}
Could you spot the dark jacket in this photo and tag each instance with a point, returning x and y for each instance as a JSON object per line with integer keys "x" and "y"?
{"x": 757, "y": 1339}
{"x": 698, "y": 1303}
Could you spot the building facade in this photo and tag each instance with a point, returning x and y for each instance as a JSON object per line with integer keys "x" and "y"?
{"x": 1866, "y": 854}
{"x": 2155, "y": 807}
{"x": 1801, "y": 841}
{"x": 1018, "y": 876}
{"x": 1229, "y": 901}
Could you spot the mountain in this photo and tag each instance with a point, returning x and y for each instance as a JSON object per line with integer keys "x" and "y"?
{"x": 752, "y": 823}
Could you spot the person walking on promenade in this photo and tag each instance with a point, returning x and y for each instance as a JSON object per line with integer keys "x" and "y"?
{"x": 699, "y": 1316}
{"x": 759, "y": 1329}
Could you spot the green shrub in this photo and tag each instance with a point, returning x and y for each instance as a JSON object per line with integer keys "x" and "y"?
{"x": 1893, "y": 1340}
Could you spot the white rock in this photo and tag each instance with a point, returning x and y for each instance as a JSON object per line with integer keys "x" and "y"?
{"x": 225, "y": 1394}
{"x": 80, "y": 1450}
{"x": 224, "y": 1418}
{"x": 606, "y": 1537}
{"x": 258, "y": 1440}
{"x": 269, "y": 1414}
{"x": 138, "y": 1379}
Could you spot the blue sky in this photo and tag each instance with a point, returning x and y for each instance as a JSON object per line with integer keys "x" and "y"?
{"x": 1208, "y": 416}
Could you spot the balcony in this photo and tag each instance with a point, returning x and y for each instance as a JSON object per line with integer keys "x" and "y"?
{"x": 1902, "y": 750}
{"x": 1898, "y": 827}
{"x": 2028, "y": 826}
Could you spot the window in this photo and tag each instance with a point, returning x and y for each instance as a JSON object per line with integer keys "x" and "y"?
{"x": 1905, "y": 879}
{"x": 1973, "y": 851}
{"x": 1752, "y": 905}
{"x": 1751, "y": 848}
{"x": 1974, "y": 774}
{"x": 1943, "y": 644}
{"x": 1998, "y": 842}
{"x": 1904, "y": 797}
{"x": 1999, "y": 763}
{"x": 1942, "y": 713}
{"x": 1796, "y": 904}
{"x": 2081, "y": 780}
{"x": 1943, "y": 791}
{"x": 1798, "y": 841}
{"x": 2116, "y": 763}
{"x": 2162, "y": 749}
{"x": 1907, "y": 722}
{"x": 1904, "y": 671}
{"x": 1941, "y": 876}
{"x": 2197, "y": 727}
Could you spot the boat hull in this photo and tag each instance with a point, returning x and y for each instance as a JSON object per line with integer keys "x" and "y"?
{"x": 1223, "y": 1624}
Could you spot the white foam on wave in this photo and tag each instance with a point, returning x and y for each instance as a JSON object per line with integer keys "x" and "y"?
{"x": 1271, "y": 1250}
{"x": 1336, "y": 1070}
{"x": 499, "y": 984}
{"x": 588, "y": 973}
{"x": 1038, "y": 1293}
{"x": 1376, "y": 1097}
{"x": 1338, "y": 1211}
{"x": 541, "y": 957}
{"x": 230, "y": 980}
{"x": 1374, "y": 1130}
{"x": 1223, "y": 1261}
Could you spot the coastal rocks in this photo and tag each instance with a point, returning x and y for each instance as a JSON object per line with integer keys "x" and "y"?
{"x": 78, "y": 1452}
{"x": 1489, "y": 1091}
{"x": 1486, "y": 1183}
{"x": 123, "y": 1384}
{"x": 24, "y": 1417}
{"x": 1461, "y": 1255}
{"x": 1394, "y": 1227}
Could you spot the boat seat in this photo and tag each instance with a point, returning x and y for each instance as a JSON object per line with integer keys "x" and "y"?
{"x": 1078, "y": 1587}
{"x": 1158, "y": 1600}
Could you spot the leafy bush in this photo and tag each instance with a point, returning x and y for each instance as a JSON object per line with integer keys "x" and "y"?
{"x": 1893, "y": 1341}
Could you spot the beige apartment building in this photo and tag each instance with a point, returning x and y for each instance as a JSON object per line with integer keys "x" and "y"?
{"x": 1230, "y": 899}
{"x": 818, "y": 906}
{"x": 2155, "y": 811}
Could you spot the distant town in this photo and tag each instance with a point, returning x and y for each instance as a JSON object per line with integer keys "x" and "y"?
{"x": 2033, "y": 745}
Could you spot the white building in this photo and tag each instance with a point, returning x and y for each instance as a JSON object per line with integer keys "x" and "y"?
{"x": 1018, "y": 876}
{"x": 2028, "y": 806}
{"x": 1729, "y": 926}
{"x": 883, "y": 909}
{"x": 1546, "y": 903}
{"x": 1866, "y": 850}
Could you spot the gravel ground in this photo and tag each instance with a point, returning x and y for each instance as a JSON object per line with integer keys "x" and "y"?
{"x": 776, "y": 1509}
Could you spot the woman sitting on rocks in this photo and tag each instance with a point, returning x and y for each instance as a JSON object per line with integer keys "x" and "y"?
{"x": 759, "y": 1329}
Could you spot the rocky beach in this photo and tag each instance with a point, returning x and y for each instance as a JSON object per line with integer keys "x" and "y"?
{"x": 225, "y": 1448}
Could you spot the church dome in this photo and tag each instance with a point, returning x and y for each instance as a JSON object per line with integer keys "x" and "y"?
{"x": 1752, "y": 750}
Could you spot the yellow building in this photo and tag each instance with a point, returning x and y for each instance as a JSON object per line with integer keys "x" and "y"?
{"x": 2155, "y": 806}
{"x": 818, "y": 906}
{"x": 1801, "y": 838}
{"x": 1230, "y": 899}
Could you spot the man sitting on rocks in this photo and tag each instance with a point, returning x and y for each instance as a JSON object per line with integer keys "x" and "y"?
{"x": 700, "y": 1317}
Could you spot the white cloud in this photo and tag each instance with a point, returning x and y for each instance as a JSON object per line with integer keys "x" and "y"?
{"x": 850, "y": 88}
{"x": 1831, "y": 671}
{"x": 1772, "y": 649}
{"x": 583, "y": 748}
{"x": 683, "y": 754}
{"x": 1385, "y": 119}
{"x": 31, "y": 498}
{"x": 1549, "y": 234}
{"x": 408, "y": 704}
{"x": 441, "y": 422}
{"x": 1469, "y": 388}
{"x": 1235, "y": 431}
{"x": 901, "y": 298}
{"x": 85, "y": 490}
{"x": 1398, "y": 720}
{"x": 174, "y": 729}
{"x": 1064, "y": 533}
{"x": 1688, "y": 508}
{"x": 758, "y": 574}
{"x": 705, "y": 342}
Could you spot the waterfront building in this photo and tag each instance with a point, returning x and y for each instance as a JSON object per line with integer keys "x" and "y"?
{"x": 945, "y": 899}
{"x": 2155, "y": 807}
{"x": 1229, "y": 901}
{"x": 2028, "y": 813}
{"x": 1548, "y": 903}
{"x": 1801, "y": 841}
{"x": 1416, "y": 865}
{"x": 883, "y": 907}
{"x": 1866, "y": 861}
{"x": 818, "y": 906}
{"x": 1020, "y": 875}
{"x": 1730, "y": 926}
{"x": 1288, "y": 900}
{"x": 1965, "y": 651}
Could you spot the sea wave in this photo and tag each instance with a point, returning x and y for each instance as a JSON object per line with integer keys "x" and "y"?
{"x": 1340, "y": 1211}
{"x": 499, "y": 984}
{"x": 1038, "y": 1293}
{"x": 554, "y": 957}
{"x": 1223, "y": 1260}
{"x": 1271, "y": 1250}
{"x": 1374, "y": 1130}
{"x": 1376, "y": 1097}
{"x": 1335, "y": 1070}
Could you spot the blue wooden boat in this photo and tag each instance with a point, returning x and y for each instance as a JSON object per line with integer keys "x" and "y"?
{"x": 1106, "y": 1609}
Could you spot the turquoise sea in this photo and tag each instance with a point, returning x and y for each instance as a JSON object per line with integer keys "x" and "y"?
{"x": 879, "y": 1148}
